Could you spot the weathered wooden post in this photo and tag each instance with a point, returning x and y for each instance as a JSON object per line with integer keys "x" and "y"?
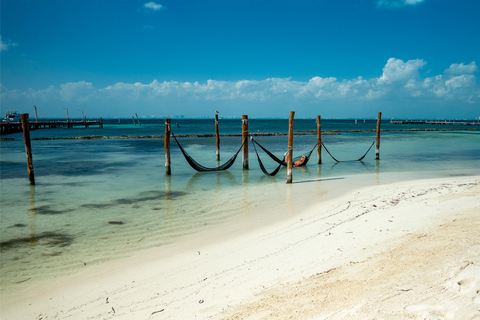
{"x": 168, "y": 163}
{"x": 377, "y": 149}
{"x": 28, "y": 146}
{"x": 245, "y": 141}
{"x": 217, "y": 136}
{"x": 134, "y": 121}
{"x": 290, "y": 147}
{"x": 36, "y": 118}
{"x": 138, "y": 120}
{"x": 319, "y": 140}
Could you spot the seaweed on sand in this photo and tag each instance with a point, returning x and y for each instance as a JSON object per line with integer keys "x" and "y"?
{"x": 49, "y": 238}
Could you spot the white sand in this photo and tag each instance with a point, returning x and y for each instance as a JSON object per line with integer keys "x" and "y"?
{"x": 408, "y": 250}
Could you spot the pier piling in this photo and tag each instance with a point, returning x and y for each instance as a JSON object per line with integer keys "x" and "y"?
{"x": 290, "y": 147}
{"x": 319, "y": 140}
{"x": 168, "y": 162}
{"x": 245, "y": 141}
{"x": 217, "y": 136}
{"x": 28, "y": 147}
{"x": 377, "y": 149}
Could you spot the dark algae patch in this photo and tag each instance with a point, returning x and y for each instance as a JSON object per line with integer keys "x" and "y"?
{"x": 48, "y": 210}
{"x": 18, "y": 225}
{"x": 115, "y": 222}
{"x": 51, "y": 239}
{"x": 141, "y": 197}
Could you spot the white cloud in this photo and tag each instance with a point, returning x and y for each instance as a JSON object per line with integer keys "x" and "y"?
{"x": 399, "y": 84}
{"x": 461, "y": 68}
{"x": 75, "y": 90}
{"x": 397, "y": 70}
{"x": 397, "y": 3}
{"x": 152, "y": 6}
{"x": 5, "y": 45}
{"x": 413, "y": 2}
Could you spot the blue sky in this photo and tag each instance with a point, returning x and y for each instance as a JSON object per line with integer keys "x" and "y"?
{"x": 336, "y": 58}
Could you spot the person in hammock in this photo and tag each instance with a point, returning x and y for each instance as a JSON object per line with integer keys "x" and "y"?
{"x": 297, "y": 163}
{"x": 300, "y": 162}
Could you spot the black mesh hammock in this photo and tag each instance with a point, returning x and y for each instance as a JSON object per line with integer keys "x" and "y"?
{"x": 359, "y": 159}
{"x": 277, "y": 160}
{"x": 197, "y": 166}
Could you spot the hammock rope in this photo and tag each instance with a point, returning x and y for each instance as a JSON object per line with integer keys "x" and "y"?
{"x": 359, "y": 159}
{"x": 198, "y": 167}
{"x": 260, "y": 163}
{"x": 277, "y": 160}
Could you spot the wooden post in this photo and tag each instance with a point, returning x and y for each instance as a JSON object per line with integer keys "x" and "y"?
{"x": 168, "y": 170}
{"x": 28, "y": 146}
{"x": 245, "y": 141}
{"x": 36, "y": 118}
{"x": 319, "y": 140}
{"x": 290, "y": 147}
{"x": 138, "y": 120}
{"x": 217, "y": 137}
{"x": 377, "y": 149}
{"x": 133, "y": 121}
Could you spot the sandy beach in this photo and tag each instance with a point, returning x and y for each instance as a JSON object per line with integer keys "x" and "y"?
{"x": 407, "y": 250}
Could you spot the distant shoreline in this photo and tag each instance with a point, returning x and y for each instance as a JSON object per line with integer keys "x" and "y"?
{"x": 297, "y": 133}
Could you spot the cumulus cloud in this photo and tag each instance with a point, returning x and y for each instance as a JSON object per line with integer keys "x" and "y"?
{"x": 5, "y": 45}
{"x": 461, "y": 68}
{"x": 76, "y": 90}
{"x": 152, "y": 6}
{"x": 399, "y": 84}
{"x": 398, "y": 71}
{"x": 397, "y": 3}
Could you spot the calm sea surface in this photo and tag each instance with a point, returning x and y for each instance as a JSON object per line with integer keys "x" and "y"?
{"x": 101, "y": 199}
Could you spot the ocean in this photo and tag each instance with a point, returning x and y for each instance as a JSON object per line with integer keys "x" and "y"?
{"x": 102, "y": 199}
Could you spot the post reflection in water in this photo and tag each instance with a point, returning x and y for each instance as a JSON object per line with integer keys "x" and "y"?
{"x": 168, "y": 196}
{"x": 377, "y": 172}
{"x": 245, "y": 193}
{"x": 33, "y": 215}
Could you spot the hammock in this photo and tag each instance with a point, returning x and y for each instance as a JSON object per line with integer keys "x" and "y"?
{"x": 304, "y": 157}
{"x": 360, "y": 159}
{"x": 260, "y": 163}
{"x": 197, "y": 166}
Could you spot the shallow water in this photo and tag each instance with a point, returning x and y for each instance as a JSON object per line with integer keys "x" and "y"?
{"x": 98, "y": 200}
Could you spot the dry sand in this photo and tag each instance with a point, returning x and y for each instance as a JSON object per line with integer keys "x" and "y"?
{"x": 408, "y": 250}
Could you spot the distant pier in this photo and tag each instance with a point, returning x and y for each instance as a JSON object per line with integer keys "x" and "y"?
{"x": 436, "y": 122}
{"x": 12, "y": 127}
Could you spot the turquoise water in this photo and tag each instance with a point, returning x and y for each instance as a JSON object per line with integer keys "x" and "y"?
{"x": 98, "y": 200}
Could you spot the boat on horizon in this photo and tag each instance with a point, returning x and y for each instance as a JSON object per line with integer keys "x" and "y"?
{"x": 12, "y": 116}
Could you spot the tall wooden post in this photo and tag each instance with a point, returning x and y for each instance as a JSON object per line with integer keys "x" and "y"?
{"x": 245, "y": 141}
{"x": 168, "y": 163}
{"x": 290, "y": 147}
{"x": 28, "y": 146}
{"x": 138, "y": 120}
{"x": 319, "y": 140}
{"x": 377, "y": 149}
{"x": 217, "y": 136}
{"x": 36, "y": 118}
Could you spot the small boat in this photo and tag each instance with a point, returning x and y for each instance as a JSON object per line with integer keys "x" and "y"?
{"x": 12, "y": 116}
